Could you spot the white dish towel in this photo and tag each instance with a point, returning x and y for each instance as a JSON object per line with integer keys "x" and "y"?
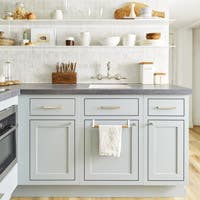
{"x": 110, "y": 139}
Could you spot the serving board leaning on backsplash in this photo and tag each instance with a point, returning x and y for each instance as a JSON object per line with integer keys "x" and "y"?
{"x": 36, "y": 64}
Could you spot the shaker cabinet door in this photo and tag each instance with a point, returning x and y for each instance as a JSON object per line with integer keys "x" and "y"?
{"x": 165, "y": 150}
{"x": 52, "y": 150}
{"x": 102, "y": 168}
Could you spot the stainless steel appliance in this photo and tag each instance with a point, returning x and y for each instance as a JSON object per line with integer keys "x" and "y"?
{"x": 7, "y": 140}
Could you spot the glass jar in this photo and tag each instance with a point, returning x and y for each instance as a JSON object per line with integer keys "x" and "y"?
{"x": 7, "y": 71}
{"x": 20, "y": 11}
{"x": 8, "y": 15}
{"x": 19, "y": 5}
{"x": 70, "y": 41}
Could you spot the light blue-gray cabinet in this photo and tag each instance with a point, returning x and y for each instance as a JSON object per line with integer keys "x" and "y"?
{"x": 101, "y": 168}
{"x": 59, "y": 146}
{"x": 52, "y": 150}
{"x": 165, "y": 150}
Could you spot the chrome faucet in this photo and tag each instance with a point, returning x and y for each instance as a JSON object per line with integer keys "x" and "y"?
{"x": 108, "y": 69}
{"x": 108, "y": 76}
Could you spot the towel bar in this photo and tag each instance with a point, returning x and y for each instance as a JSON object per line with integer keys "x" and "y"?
{"x": 123, "y": 126}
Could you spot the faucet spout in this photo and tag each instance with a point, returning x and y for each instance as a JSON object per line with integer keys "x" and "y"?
{"x": 108, "y": 69}
{"x": 108, "y": 76}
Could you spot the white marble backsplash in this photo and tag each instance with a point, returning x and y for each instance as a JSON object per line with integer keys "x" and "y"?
{"x": 36, "y": 65}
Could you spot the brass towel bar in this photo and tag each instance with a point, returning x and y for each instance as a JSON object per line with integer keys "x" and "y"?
{"x": 123, "y": 126}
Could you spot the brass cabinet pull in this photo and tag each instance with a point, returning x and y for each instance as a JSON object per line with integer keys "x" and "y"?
{"x": 1, "y": 195}
{"x": 51, "y": 107}
{"x": 165, "y": 108}
{"x": 110, "y": 107}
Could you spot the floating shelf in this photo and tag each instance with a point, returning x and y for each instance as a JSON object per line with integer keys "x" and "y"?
{"x": 80, "y": 47}
{"x": 50, "y": 22}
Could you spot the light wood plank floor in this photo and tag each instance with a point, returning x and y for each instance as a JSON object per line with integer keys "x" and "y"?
{"x": 193, "y": 190}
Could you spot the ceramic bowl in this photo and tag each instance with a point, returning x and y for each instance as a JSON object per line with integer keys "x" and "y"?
{"x": 110, "y": 41}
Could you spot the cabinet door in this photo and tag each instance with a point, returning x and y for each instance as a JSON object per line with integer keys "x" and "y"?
{"x": 52, "y": 149}
{"x": 165, "y": 150}
{"x": 100, "y": 168}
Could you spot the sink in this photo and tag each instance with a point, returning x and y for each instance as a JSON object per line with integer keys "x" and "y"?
{"x": 109, "y": 86}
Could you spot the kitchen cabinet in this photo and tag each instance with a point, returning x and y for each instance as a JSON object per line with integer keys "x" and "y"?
{"x": 52, "y": 149}
{"x": 64, "y": 149}
{"x": 100, "y": 168}
{"x": 165, "y": 139}
{"x": 8, "y": 184}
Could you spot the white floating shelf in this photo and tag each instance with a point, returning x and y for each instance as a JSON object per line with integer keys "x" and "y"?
{"x": 50, "y": 22}
{"x": 80, "y": 47}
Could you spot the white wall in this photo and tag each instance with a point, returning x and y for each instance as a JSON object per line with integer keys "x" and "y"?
{"x": 36, "y": 65}
{"x": 185, "y": 12}
{"x": 182, "y": 65}
{"x": 196, "y": 78}
{"x": 182, "y": 73}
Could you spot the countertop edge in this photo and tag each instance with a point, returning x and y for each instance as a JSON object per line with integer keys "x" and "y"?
{"x": 104, "y": 92}
{"x": 82, "y": 89}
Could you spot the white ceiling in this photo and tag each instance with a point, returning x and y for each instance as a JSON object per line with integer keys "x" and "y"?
{"x": 185, "y": 12}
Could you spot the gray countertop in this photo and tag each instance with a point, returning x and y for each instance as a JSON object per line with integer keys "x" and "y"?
{"x": 46, "y": 89}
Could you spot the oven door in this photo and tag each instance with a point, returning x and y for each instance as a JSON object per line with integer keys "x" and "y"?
{"x": 7, "y": 151}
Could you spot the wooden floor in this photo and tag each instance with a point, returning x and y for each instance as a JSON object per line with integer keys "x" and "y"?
{"x": 193, "y": 190}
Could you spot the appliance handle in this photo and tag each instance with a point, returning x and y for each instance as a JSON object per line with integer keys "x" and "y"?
{"x": 7, "y": 112}
{"x": 8, "y": 132}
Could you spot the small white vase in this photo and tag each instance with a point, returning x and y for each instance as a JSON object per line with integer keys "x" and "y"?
{"x": 132, "y": 13}
{"x": 85, "y": 38}
{"x": 129, "y": 40}
{"x": 58, "y": 15}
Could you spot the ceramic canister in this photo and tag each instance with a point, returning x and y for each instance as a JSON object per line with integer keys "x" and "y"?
{"x": 129, "y": 40}
{"x": 146, "y": 12}
{"x": 58, "y": 15}
{"x": 85, "y": 38}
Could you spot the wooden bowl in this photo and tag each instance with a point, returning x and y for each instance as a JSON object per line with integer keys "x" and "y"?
{"x": 153, "y": 36}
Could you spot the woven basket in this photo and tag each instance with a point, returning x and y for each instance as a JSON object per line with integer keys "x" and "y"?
{"x": 7, "y": 42}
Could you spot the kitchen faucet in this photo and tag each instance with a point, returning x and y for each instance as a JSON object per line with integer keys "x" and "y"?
{"x": 108, "y": 76}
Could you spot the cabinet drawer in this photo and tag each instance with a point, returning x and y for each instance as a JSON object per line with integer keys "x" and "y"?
{"x": 166, "y": 107}
{"x": 112, "y": 107}
{"x": 54, "y": 107}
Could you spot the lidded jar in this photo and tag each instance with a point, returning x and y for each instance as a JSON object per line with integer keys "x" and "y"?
{"x": 20, "y": 11}
{"x": 8, "y": 15}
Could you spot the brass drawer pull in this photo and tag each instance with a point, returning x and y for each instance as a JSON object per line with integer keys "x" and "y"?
{"x": 1, "y": 195}
{"x": 165, "y": 108}
{"x": 110, "y": 107}
{"x": 51, "y": 107}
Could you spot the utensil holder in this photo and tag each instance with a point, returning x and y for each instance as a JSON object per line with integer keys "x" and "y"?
{"x": 64, "y": 77}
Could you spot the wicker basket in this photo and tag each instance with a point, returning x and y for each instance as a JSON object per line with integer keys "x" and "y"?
{"x": 6, "y": 41}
